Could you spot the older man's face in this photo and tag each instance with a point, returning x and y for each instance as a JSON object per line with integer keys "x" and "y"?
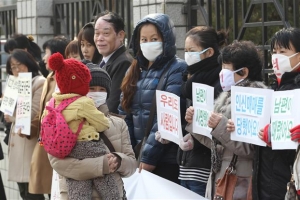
{"x": 106, "y": 39}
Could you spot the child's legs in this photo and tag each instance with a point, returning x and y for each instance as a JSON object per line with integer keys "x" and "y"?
{"x": 107, "y": 187}
{"x": 79, "y": 190}
{"x": 88, "y": 149}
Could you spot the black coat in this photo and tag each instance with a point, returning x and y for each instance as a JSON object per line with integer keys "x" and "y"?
{"x": 272, "y": 168}
{"x": 116, "y": 67}
{"x": 205, "y": 72}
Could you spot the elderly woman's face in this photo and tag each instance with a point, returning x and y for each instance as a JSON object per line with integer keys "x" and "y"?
{"x": 97, "y": 89}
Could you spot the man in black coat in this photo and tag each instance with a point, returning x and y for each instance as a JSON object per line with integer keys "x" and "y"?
{"x": 109, "y": 36}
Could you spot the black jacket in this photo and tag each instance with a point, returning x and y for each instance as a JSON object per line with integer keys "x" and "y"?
{"x": 205, "y": 72}
{"x": 272, "y": 168}
{"x": 116, "y": 67}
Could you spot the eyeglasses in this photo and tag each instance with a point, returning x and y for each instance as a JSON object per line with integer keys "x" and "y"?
{"x": 15, "y": 67}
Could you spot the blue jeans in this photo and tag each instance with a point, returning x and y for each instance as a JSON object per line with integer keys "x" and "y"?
{"x": 195, "y": 186}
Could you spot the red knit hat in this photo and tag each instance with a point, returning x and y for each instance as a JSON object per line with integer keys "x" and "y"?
{"x": 72, "y": 76}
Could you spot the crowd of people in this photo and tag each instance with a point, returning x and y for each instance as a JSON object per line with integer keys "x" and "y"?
{"x": 105, "y": 96}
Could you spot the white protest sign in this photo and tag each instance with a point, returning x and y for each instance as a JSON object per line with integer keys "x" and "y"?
{"x": 23, "y": 114}
{"x": 250, "y": 111}
{"x": 284, "y": 116}
{"x": 168, "y": 116}
{"x": 10, "y": 96}
{"x": 203, "y": 103}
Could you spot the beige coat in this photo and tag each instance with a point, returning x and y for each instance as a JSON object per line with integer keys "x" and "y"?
{"x": 227, "y": 148}
{"x": 20, "y": 149}
{"x": 41, "y": 170}
{"x": 90, "y": 168}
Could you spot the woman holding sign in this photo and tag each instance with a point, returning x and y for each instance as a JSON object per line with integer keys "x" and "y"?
{"x": 154, "y": 51}
{"x": 272, "y": 169}
{"x": 21, "y": 146}
{"x": 241, "y": 66}
{"x": 202, "y": 45}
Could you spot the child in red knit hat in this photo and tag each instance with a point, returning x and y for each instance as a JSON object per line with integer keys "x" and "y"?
{"x": 82, "y": 117}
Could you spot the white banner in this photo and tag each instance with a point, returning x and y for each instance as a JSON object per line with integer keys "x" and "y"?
{"x": 23, "y": 114}
{"x": 55, "y": 186}
{"x": 168, "y": 116}
{"x": 146, "y": 185}
{"x": 285, "y": 115}
{"x": 203, "y": 103}
{"x": 9, "y": 100}
{"x": 250, "y": 111}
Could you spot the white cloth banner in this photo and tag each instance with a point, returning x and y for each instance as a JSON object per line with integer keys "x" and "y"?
{"x": 285, "y": 115}
{"x": 168, "y": 116}
{"x": 250, "y": 111}
{"x": 146, "y": 185}
{"x": 10, "y": 96}
{"x": 55, "y": 186}
{"x": 23, "y": 114}
{"x": 203, "y": 103}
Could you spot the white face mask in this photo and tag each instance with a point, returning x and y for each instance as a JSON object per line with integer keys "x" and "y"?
{"x": 227, "y": 79}
{"x": 98, "y": 97}
{"x": 151, "y": 50}
{"x": 282, "y": 64}
{"x": 193, "y": 57}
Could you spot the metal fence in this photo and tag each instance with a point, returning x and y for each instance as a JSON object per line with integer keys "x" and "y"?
{"x": 71, "y": 15}
{"x": 255, "y": 20}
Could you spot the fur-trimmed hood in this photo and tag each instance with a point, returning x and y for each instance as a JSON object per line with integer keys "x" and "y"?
{"x": 223, "y": 102}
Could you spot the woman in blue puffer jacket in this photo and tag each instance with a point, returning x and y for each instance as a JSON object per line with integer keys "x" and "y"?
{"x": 154, "y": 49}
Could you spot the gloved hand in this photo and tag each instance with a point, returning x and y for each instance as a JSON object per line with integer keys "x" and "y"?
{"x": 161, "y": 140}
{"x": 295, "y": 133}
{"x": 187, "y": 143}
{"x": 267, "y": 135}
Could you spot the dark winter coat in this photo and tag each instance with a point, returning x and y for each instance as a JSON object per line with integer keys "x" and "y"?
{"x": 205, "y": 72}
{"x": 154, "y": 152}
{"x": 272, "y": 168}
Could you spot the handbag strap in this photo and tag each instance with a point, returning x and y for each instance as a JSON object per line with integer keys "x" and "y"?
{"x": 153, "y": 107}
{"x": 107, "y": 142}
{"x": 231, "y": 167}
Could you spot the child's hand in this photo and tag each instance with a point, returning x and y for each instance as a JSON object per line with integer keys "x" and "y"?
{"x": 230, "y": 126}
{"x": 189, "y": 114}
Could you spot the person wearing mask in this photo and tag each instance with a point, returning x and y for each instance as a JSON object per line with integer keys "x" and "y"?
{"x": 272, "y": 168}
{"x": 202, "y": 45}
{"x": 40, "y": 169}
{"x": 72, "y": 50}
{"x": 120, "y": 162}
{"x": 21, "y": 146}
{"x": 88, "y": 50}
{"x": 109, "y": 37}
{"x": 154, "y": 51}
{"x": 241, "y": 65}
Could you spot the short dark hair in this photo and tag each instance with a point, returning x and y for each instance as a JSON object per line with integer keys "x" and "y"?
{"x": 87, "y": 33}
{"x": 243, "y": 54}
{"x": 57, "y": 44}
{"x": 10, "y": 45}
{"x": 285, "y": 37}
{"x": 115, "y": 19}
{"x": 25, "y": 58}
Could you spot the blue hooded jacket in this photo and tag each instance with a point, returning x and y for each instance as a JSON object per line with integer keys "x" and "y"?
{"x": 154, "y": 153}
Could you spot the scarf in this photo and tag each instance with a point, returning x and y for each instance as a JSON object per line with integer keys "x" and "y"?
{"x": 204, "y": 65}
